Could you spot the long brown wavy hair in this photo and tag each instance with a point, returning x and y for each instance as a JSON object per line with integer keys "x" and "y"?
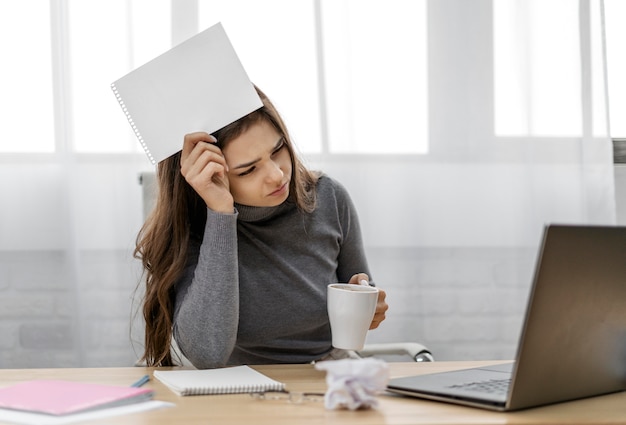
{"x": 179, "y": 216}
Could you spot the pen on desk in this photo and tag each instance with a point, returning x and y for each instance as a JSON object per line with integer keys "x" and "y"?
{"x": 141, "y": 381}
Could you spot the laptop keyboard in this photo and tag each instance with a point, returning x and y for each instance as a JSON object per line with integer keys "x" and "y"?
{"x": 493, "y": 386}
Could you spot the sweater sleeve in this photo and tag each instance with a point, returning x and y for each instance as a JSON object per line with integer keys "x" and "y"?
{"x": 352, "y": 258}
{"x": 206, "y": 312}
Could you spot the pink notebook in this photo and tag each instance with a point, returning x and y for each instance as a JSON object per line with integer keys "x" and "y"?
{"x": 65, "y": 397}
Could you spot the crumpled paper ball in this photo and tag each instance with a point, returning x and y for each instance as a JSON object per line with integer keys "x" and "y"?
{"x": 354, "y": 383}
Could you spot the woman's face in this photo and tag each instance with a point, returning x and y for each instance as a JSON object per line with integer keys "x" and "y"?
{"x": 259, "y": 166}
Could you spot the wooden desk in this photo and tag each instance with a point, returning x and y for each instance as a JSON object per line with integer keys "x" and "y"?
{"x": 242, "y": 409}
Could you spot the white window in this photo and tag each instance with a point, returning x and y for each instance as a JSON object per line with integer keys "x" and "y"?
{"x": 349, "y": 76}
{"x": 376, "y": 82}
{"x": 615, "y": 24}
{"x": 537, "y": 83}
{"x": 107, "y": 40}
{"x": 26, "y": 104}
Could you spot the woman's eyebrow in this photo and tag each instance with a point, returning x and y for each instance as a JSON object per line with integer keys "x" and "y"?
{"x": 254, "y": 161}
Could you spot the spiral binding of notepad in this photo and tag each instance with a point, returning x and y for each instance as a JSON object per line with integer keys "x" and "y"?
{"x": 228, "y": 380}
{"x": 235, "y": 389}
{"x": 132, "y": 123}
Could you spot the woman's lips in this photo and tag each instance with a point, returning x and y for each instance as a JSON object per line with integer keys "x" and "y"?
{"x": 281, "y": 190}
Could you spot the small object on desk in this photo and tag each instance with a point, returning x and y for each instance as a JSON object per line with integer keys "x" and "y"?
{"x": 57, "y": 397}
{"x": 141, "y": 381}
{"x": 228, "y": 380}
{"x": 354, "y": 383}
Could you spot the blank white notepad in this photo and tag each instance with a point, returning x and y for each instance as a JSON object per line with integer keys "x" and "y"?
{"x": 229, "y": 380}
{"x": 198, "y": 85}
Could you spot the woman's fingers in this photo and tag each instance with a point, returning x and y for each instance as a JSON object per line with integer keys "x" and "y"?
{"x": 381, "y": 309}
{"x": 198, "y": 153}
{"x": 204, "y": 167}
{"x": 381, "y": 304}
{"x": 192, "y": 139}
{"x": 359, "y": 279}
{"x": 202, "y": 160}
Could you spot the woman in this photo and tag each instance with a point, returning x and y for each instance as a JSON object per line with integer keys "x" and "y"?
{"x": 240, "y": 248}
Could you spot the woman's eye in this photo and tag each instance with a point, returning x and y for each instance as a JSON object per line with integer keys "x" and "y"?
{"x": 279, "y": 147}
{"x": 248, "y": 171}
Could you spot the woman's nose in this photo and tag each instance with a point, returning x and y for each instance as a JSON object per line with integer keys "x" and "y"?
{"x": 275, "y": 173}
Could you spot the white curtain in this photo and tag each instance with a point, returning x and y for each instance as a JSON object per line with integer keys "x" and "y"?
{"x": 455, "y": 134}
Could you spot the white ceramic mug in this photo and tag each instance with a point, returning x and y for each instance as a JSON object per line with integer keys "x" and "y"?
{"x": 351, "y": 309}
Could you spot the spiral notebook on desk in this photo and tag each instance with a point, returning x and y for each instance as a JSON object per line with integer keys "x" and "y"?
{"x": 229, "y": 380}
{"x": 198, "y": 85}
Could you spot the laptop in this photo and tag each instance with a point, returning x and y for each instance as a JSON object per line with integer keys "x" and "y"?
{"x": 573, "y": 341}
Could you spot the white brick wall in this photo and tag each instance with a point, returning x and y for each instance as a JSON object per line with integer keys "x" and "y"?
{"x": 44, "y": 322}
{"x": 463, "y": 303}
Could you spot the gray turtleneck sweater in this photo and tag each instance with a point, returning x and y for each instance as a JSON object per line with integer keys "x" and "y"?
{"x": 254, "y": 289}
